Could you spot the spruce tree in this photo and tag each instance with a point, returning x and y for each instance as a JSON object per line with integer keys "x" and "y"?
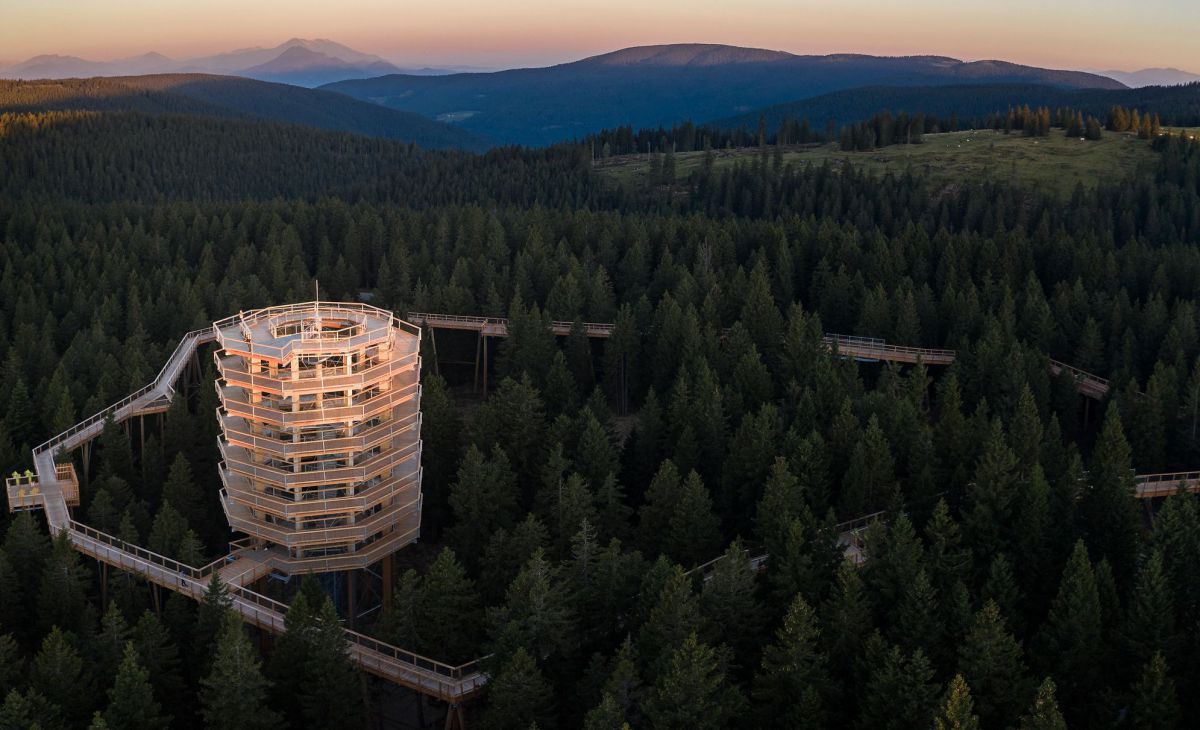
{"x": 448, "y": 607}
{"x": 519, "y": 697}
{"x": 693, "y": 691}
{"x": 234, "y": 694}
{"x": 159, "y": 656}
{"x": 728, "y": 602}
{"x": 483, "y": 498}
{"x": 62, "y": 595}
{"x": 675, "y": 614}
{"x": 991, "y": 499}
{"x": 331, "y": 689}
{"x": 989, "y": 659}
{"x": 661, "y": 498}
{"x": 181, "y": 492}
{"x": 58, "y": 672}
{"x": 29, "y": 711}
{"x": 131, "y": 702}
{"x": 793, "y": 682}
{"x": 1071, "y": 637}
{"x": 1109, "y": 507}
{"x": 900, "y": 691}
{"x": 1149, "y": 626}
{"x": 693, "y": 531}
{"x": 12, "y": 664}
{"x": 210, "y": 618}
{"x": 1044, "y": 714}
{"x": 870, "y": 473}
{"x": 109, "y": 645}
{"x": 536, "y": 614}
{"x": 1155, "y": 703}
{"x": 27, "y": 549}
{"x": 957, "y": 711}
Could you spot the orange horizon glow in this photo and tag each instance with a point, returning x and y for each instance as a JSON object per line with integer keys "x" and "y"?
{"x": 1118, "y": 34}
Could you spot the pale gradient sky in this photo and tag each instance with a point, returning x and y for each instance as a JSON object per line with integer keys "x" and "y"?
{"x": 1122, "y": 34}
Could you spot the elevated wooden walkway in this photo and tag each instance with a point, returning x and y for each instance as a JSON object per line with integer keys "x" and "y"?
{"x": 498, "y": 326}
{"x": 49, "y": 490}
{"x": 1151, "y": 486}
{"x": 864, "y": 349}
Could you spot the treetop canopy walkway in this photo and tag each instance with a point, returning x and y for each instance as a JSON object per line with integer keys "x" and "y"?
{"x": 866, "y": 349}
{"x": 54, "y": 487}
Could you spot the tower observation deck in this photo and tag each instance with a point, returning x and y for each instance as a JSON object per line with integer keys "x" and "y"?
{"x": 321, "y": 432}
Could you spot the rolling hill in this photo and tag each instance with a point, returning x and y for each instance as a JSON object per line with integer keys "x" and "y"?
{"x": 659, "y": 85}
{"x": 228, "y": 96}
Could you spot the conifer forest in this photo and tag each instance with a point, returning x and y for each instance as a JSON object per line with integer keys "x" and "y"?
{"x": 712, "y": 517}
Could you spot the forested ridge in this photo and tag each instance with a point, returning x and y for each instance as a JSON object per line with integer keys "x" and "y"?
{"x": 1012, "y": 581}
{"x": 229, "y": 96}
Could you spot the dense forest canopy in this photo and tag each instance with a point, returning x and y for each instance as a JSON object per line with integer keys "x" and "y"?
{"x": 1012, "y": 579}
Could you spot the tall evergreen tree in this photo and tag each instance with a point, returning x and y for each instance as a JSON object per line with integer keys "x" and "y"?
{"x": 957, "y": 711}
{"x": 1109, "y": 507}
{"x": 989, "y": 659}
{"x": 693, "y": 691}
{"x": 131, "y": 702}
{"x": 234, "y": 694}
{"x": 519, "y": 696}
{"x": 1155, "y": 704}
{"x": 1071, "y": 637}
{"x": 1044, "y": 714}
{"x": 793, "y": 682}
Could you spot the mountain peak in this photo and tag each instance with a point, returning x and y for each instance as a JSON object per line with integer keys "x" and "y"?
{"x": 297, "y": 58}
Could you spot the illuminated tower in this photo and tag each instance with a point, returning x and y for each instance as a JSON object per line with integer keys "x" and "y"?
{"x": 321, "y": 432}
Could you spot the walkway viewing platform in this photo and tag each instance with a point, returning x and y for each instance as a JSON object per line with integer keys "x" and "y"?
{"x": 54, "y": 487}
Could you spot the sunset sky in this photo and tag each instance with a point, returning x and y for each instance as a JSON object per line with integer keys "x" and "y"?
{"x": 1121, "y": 34}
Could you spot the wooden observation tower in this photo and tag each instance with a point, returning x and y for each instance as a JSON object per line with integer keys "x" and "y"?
{"x": 321, "y": 432}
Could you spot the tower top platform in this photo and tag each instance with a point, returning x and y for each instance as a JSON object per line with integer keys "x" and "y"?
{"x": 277, "y": 333}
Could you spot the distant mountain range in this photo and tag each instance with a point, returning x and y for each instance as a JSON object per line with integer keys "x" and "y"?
{"x": 1152, "y": 77}
{"x": 299, "y": 61}
{"x": 972, "y": 103}
{"x": 231, "y": 96}
{"x": 660, "y": 85}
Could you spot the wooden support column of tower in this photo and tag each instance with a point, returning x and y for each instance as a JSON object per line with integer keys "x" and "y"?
{"x": 433, "y": 342}
{"x": 351, "y": 597}
{"x": 386, "y": 571}
{"x": 454, "y": 717}
{"x": 478, "y": 349}
{"x": 86, "y": 448}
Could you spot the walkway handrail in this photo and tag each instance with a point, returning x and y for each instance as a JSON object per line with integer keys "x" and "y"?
{"x": 187, "y": 344}
{"x": 870, "y": 344}
{"x": 1079, "y": 373}
{"x": 859, "y": 523}
{"x": 481, "y": 323}
{"x": 460, "y": 672}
